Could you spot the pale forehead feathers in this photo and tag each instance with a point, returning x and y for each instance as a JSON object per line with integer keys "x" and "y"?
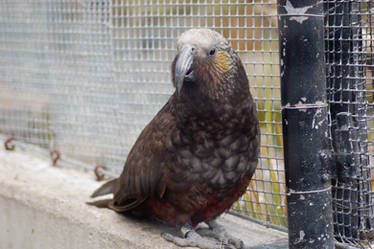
{"x": 203, "y": 38}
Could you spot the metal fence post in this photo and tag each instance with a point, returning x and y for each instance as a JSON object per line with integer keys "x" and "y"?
{"x": 305, "y": 123}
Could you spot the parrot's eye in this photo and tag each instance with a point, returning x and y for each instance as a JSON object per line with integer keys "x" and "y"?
{"x": 212, "y": 51}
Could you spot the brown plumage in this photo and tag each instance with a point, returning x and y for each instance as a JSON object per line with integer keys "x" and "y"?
{"x": 198, "y": 154}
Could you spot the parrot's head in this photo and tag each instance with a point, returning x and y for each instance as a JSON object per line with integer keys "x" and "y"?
{"x": 206, "y": 66}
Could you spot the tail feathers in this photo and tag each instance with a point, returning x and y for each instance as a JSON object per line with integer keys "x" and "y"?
{"x": 100, "y": 203}
{"x": 106, "y": 188}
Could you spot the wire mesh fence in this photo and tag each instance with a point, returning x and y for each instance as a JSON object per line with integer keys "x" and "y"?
{"x": 84, "y": 77}
{"x": 349, "y": 44}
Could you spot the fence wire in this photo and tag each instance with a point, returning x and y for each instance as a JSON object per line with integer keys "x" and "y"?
{"x": 84, "y": 77}
{"x": 349, "y": 46}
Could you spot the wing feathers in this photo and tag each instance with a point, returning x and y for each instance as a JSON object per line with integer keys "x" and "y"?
{"x": 145, "y": 171}
{"x": 106, "y": 188}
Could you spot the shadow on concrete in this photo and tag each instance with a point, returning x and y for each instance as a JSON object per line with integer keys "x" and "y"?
{"x": 275, "y": 245}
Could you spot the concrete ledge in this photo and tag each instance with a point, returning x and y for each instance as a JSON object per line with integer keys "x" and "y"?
{"x": 43, "y": 207}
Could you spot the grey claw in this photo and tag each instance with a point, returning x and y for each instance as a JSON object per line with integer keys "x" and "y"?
{"x": 195, "y": 240}
{"x": 218, "y": 232}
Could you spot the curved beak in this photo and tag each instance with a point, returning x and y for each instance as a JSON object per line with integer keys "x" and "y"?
{"x": 183, "y": 70}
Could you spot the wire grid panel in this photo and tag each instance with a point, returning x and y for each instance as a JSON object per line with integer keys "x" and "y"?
{"x": 85, "y": 77}
{"x": 349, "y": 56}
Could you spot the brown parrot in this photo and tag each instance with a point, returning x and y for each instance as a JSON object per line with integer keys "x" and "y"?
{"x": 198, "y": 154}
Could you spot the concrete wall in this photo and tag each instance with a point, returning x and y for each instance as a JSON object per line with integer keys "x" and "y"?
{"x": 43, "y": 207}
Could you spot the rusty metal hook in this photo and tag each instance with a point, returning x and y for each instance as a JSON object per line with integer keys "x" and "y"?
{"x": 8, "y": 141}
{"x": 99, "y": 176}
{"x": 55, "y": 156}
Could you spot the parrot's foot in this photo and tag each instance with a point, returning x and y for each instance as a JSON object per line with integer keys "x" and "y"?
{"x": 218, "y": 232}
{"x": 192, "y": 238}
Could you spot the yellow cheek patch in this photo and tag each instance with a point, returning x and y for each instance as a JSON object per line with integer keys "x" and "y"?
{"x": 223, "y": 61}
